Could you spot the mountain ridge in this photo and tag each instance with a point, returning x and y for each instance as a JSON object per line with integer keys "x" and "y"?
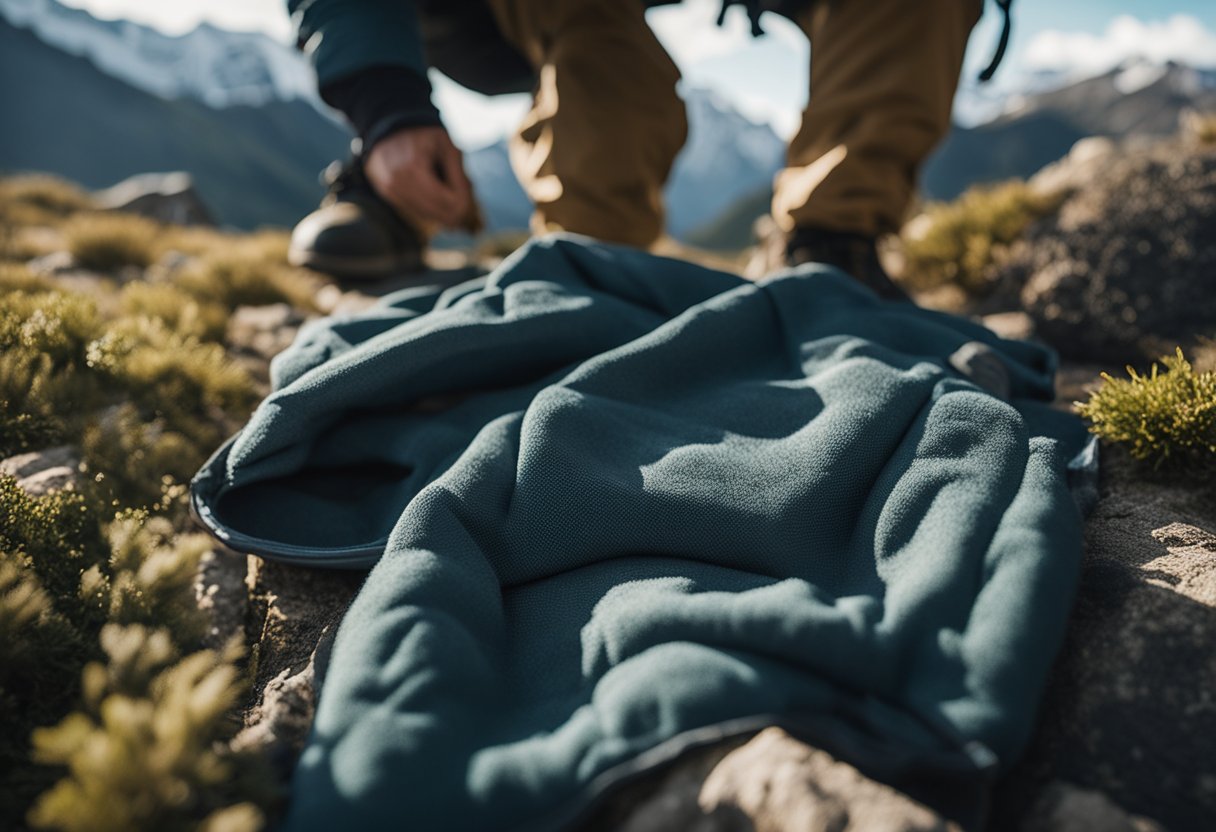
{"x": 254, "y": 165}
{"x": 218, "y": 67}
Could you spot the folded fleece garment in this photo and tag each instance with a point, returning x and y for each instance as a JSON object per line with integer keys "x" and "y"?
{"x": 616, "y": 506}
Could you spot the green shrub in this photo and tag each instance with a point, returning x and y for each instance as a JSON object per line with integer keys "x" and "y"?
{"x": 41, "y": 654}
{"x": 180, "y": 311}
{"x": 1199, "y": 126}
{"x": 56, "y": 324}
{"x": 1167, "y": 419}
{"x": 70, "y": 585}
{"x": 44, "y": 338}
{"x": 146, "y": 753}
{"x": 21, "y": 431}
{"x": 190, "y": 384}
{"x": 247, "y": 276}
{"x": 153, "y": 573}
{"x": 15, "y": 277}
{"x": 39, "y": 199}
{"x": 47, "y": 631}
{"x": 132, "y": 736}
{"x": 139, "y": 462}
{"x": 60, "y": 536}
{"x": 956, "y": 243}
{"x": 107, "y": 242}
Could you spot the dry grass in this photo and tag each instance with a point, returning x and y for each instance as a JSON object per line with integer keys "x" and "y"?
{"x": 1200, "y": 127}
{"x": 108, "y": 242}
{"x": 957, "y": 243}
{"x": 176, "y": 308}
{"x": 38, "y": 199}
{"x": 247, "y": 275}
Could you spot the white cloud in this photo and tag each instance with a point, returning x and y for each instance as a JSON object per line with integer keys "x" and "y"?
{"x": 476, "y": 120}
{"x": 690, "y": 34}
{"x": 1181, "y": 38}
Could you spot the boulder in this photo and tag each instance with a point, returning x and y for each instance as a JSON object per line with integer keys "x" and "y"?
{"x": 1130, "y": 711}
{"x": 42, "y": 472}
{"x": 166, "y": 197}
{"x": 263, "y": 331}
{"x": 220, "y": 592}
{"x": 289, "y": 615}
{"x": 1063, "y": 807}
{"x": 771, "y": 782}
{"x": 1125, "y": 270}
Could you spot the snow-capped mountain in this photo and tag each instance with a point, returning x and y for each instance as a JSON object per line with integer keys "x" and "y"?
{"x": 1137, "y": 98}
{"x": 727, "y": 157}
{"x": 253, "y": 164}
{"x": 217, "y": 67}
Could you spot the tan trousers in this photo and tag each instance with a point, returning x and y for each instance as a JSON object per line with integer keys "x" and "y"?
{"x": 606, "y": 124}
{"x": 883, "y": 76}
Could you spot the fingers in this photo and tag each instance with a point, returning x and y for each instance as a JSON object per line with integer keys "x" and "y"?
{"x": 420, "y": 173}
{"x": 421, "y": 193}
{"x": 454, "y": 175}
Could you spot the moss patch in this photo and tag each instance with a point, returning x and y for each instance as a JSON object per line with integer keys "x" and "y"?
{"x": 1166, "y": 419}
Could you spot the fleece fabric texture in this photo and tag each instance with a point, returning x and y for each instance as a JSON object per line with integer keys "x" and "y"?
{"x": 619, "y": 505}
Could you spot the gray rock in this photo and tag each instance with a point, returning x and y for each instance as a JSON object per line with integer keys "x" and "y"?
{"x": 292, "y": 616}
{"x": 1062, "y": 807}
{"x": 263, "y": 331}
{"x": 1131, "y": 707}
{"x": 769, "y": 783}
{"x": 291, "y": 608}
{"x": 1015, "y": 325}
{"x": 1084, "y": 161}
{"x": 55, "y": 263}
{"x": 1126, "y": 269}
{"x": 222, "y": 595}
{"x": 167, "y": 197}
{"x": 42, "y": 472}
{"x": 277, "y": 728}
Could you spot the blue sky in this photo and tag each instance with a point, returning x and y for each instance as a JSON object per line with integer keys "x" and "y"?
{"x": 766, "y": 78}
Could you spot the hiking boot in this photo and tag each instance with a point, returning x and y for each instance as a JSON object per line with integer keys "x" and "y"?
{"x": 854, "y": 254}
{"x": 354, "y": 233}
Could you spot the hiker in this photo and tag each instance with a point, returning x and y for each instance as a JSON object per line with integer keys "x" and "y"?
{"x": 606, "y": 124}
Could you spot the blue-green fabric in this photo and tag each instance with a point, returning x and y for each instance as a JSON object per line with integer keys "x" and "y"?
{"x": 624, "y": 501}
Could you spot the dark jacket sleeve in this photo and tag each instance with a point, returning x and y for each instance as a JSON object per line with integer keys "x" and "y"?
{"x": 369, "y": 61}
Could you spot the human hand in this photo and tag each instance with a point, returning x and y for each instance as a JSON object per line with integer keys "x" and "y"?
{"x": 420, "y": 172}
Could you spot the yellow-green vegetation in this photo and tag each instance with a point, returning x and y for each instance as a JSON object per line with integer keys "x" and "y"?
{"x": 1200, "y": 126}
{"x": 245, "y": 278}
{"x": 114, "y": 715}
{"x": 1166, "y": 418}
{"x": 145, "y": 752}
{"x": 36, "y": 199}
{"x": 956, "y": 243}
{"x": 107, "y": 242}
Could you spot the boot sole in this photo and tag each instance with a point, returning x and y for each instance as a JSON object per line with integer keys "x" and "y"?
{"x": 361, "y": 268}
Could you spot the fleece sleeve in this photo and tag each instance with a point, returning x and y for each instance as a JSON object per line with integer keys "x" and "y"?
{"x": 369, "y": 61}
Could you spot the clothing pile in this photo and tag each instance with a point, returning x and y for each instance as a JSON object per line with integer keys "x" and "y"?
{"x": 616, "y": 506}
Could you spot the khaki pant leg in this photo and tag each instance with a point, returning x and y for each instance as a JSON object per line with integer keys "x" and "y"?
{"x": 606, "y": 123}
{"x": 883, "y": 77}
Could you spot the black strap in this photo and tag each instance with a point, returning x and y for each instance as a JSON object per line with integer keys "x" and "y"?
{"x": 1003, "y": 44}
{"x": 753, "y": 14}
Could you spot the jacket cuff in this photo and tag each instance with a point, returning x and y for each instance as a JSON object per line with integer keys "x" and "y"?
{"x": 382, "y": 99}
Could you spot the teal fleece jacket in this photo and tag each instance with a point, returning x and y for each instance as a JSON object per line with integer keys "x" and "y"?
{"x": 616, "y": 506}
